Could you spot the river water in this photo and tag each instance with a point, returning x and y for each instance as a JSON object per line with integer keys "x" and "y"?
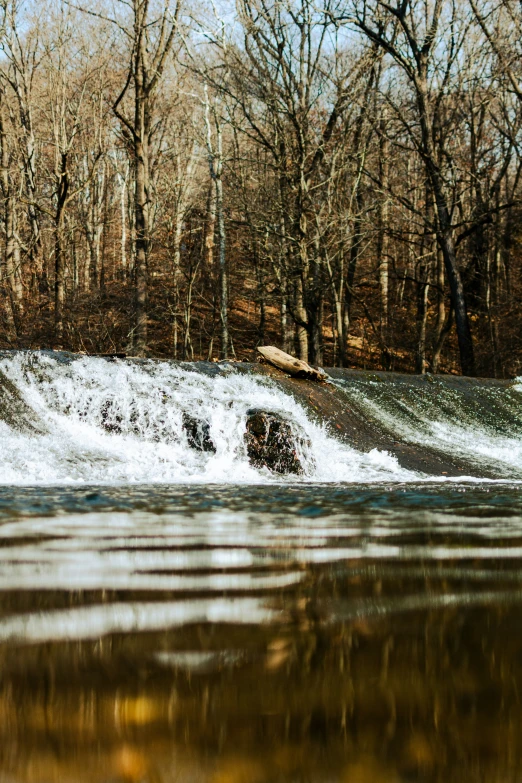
{"x": 176, "y": 617}
{"x": 230, "y": 633}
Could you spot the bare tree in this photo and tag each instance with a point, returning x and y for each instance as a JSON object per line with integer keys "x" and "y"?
{"x": 12, "y": 259}
{"x": 150, "y": 35}
{"x": 410, "y": 33}
{"x": 24, "y": 53}
{"x": 66, "y": 107}
{"x": 277, "y": 80}
{"x": 214, "y": 142}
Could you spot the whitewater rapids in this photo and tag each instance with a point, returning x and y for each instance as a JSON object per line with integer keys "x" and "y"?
{"x": 57, "y": 411}
{"x": 67, "y": 419}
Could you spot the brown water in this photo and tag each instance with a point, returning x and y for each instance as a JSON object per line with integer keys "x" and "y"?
{"x": 312, "y": 634}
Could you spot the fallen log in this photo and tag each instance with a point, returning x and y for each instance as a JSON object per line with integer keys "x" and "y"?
{"x": 291, "y": 365}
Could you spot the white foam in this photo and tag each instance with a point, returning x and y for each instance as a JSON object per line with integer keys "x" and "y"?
{"x": 71, "y": 402}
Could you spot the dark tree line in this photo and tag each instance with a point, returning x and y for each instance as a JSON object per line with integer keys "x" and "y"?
{"x": 340, "y": 178}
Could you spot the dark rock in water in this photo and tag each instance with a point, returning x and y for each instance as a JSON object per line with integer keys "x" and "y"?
{"x": 198, "y": 434}
{"x": 271, "y": 442}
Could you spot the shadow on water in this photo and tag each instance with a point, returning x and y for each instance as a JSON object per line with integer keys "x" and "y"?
{"x": 256, "y": 634}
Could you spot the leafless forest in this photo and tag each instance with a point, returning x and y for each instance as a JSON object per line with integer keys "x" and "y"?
{"x": 340, "y": 178}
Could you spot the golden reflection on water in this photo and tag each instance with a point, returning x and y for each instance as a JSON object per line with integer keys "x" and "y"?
{"x": 431, "y": 696}
{"x": 351, "y": 650}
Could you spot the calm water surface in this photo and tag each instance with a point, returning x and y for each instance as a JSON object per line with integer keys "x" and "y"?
{"x": 258, "y": 634}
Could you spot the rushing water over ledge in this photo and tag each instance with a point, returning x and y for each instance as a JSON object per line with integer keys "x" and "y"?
{"x": 70, "y": 419}
{"x": 172, "y": 616}
{"x": 87, "y": 420}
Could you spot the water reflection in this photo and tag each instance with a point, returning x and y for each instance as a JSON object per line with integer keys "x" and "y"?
{"x": 325, "y": 634}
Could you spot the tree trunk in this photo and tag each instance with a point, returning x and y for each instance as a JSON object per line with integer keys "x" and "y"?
{"x": 215, "y": 164}
{"x": 339, "y": 357}
{"x": 287, "y": 327}
{"x": 59, "y": 258}
{"x": 141, "y": 213}
{"x": 62, "y": 192}
{"x": 210, "y": 224}
{"x": 176, "y": 271}
{"x": 59, "y": 281}
{"x": 422, "y": 317}
{"x": 340, "y": 309}
{"x": 441, "y": 340}
{"x": 261, "y": 289}
{"x": 300, "y": 317}
{"x": 441, "y": 308}
{"x": 12, "y": 254}
{"x": 12, "y": 247}
{"x": 316, "y": 305}
{"x": 382, "y": 239}
{"x": 315, "y": 316}
{"x": 445, "y": 233}
{"x": 467, "y": 358}
{"x": 223, "y": 282}
{"x": 123, "y": 218}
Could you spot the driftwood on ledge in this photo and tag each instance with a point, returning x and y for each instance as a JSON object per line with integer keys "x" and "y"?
{"x": 291, "y": 365}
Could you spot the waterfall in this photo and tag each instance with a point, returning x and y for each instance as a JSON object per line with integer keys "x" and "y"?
{"x": 66, "y": 419}
{"x": 479, "y": 421}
